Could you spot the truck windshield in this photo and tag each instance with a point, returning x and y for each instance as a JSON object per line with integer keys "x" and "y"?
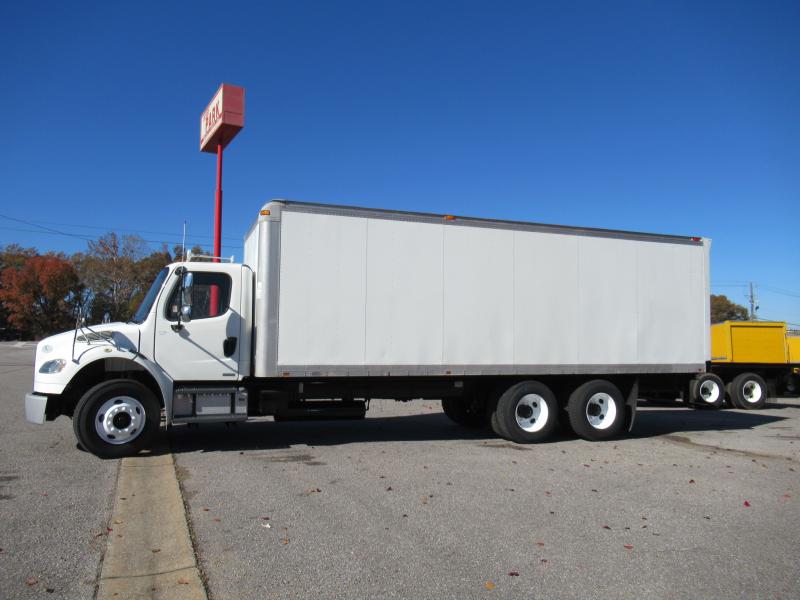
{"x": 147, "y": 303}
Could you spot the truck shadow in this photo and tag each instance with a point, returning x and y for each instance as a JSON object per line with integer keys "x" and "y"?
{"x": 657, "y": 421}
{"x": 269, "y": 435}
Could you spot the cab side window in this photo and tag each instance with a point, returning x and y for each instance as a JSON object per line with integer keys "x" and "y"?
{"x": 207, "y": 287}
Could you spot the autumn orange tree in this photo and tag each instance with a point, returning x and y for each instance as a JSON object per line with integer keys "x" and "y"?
{"x": 40, "y": 294}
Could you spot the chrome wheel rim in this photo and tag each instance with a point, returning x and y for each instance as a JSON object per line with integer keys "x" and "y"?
{"x": 709, "y": 391}
{"x": 601, "y": 411}
{"x": 531, "y": 413}
{"x": 119, "y": 420}
{"x": 752, "y": 392}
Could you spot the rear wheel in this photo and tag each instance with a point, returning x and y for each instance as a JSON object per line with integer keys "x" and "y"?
{"x": 526, "y": 412}
{"x": 116, "y": 418}
{"x": 596, "y": 410}
{"x": 748, "y": 391}
{"x": 470, "y": 412}
{"x": 707, "y": 391}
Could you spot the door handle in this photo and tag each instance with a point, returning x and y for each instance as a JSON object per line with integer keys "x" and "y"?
{"x": 229, "y": 346}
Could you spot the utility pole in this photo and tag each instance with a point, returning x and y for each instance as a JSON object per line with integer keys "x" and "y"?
{"x": 753, "y": 303}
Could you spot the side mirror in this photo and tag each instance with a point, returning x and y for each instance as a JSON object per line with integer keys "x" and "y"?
{"x": 186, "y": 297}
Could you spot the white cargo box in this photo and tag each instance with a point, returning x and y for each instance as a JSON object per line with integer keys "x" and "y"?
{"x": 344, "y": 291}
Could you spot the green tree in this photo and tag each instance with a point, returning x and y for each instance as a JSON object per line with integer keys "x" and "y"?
{"x": 108, "y": 270}
{"x": 41, "y": 295}
{"x": 722, "y": 309}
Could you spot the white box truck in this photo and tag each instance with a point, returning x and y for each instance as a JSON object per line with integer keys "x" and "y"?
{"x": 512, "y": 325}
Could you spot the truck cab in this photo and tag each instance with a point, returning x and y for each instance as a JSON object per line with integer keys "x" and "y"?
{"x": 186, "y": 350}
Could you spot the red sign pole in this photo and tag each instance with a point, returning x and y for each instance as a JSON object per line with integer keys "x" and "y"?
{"x": 218, "y": 207}
{"x": 214, "y": 304}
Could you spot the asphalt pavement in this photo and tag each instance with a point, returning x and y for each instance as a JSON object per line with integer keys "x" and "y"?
{"x": 406, "y": 504}
{"x": 695, "y": 504}
{"x": 55, "y": 500}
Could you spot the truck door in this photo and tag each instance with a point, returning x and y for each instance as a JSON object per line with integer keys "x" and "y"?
{"x": 206, "y": 348}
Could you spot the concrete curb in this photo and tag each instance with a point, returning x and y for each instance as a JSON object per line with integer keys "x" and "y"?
{"x": 149, "y": 552}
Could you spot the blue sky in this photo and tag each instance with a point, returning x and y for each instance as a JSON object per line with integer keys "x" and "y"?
{"x": 669, "y": 117}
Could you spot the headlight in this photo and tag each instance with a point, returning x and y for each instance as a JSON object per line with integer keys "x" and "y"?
{"x": 53, "y": 366}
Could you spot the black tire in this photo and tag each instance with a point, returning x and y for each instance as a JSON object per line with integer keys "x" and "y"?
{"x": 467, "y": 411}
{"x": 491, "y": 411}
{"x": 596, "y": 410}
{"x": 707, "y": 391}
{"x": 527, "y": 412}
{"x": 748, "y": 391}
{"x": 130, "y": 423}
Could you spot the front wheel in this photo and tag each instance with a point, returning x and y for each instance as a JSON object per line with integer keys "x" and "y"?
{"x": 596, "y": 410}
{"x": 116, "y": 418}
{"x": 748, "y": 391}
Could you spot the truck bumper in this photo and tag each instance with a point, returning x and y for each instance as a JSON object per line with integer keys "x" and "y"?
{"x": 35, "y": 408}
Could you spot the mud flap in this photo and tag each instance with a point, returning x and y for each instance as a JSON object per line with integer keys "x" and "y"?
{"x": 631, "y": 403}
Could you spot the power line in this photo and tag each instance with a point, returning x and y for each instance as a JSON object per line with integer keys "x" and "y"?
{"x": 92, "y": 238}
{"x": 36, "y": 223}
{"x": 780, "y": 291}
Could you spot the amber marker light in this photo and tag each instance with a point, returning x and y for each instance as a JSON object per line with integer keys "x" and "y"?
{"x": 264, "y": 212}
{"x": 449, "y": 218}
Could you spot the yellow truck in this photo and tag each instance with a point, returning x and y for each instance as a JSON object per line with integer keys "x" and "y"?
{"x": 751, "y": 362}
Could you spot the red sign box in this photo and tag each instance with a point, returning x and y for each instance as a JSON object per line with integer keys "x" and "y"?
{"x": 223, "y": 118}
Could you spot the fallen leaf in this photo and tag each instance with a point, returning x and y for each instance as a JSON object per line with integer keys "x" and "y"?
{"x": 109, "y": 530}
{"x": 747, "y": 504}
{"x": 217, "y": 519}
{"x": 540, "y": 544}
{"x": 284, "y": 541}
{"x": 118, "y": 522}
{"x": 49, "y": 590}
{"x": 513, "y": 574}
{"x": 389, "y": 489}
{"x": 691, "y": 481}
{"x": 548, "y": 493}
{"x": 628, "y": 546}
{"x": 155, "y": 550}
{"x": 206, "y": 509}
{"x": 405, "y": 516}
{"x": 44, "y": 493}
{"x": 265, "y": 518}
{"x": 310, "y": 491}
{"x": 543, "y": 561}
{"x": 31, "y": 581}
{"x": 585, "y": 465}
{"x": 489, "y": 585}
{"x": 424, "y": 499}
{"x": 606, "y": 527}
{"x": 183, "y": 581}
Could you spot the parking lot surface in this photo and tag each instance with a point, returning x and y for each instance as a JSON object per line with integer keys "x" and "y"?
{"x": 55, "y": 500}
{"x": 406, "y": 504}
{"x": 693, "y": 504}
